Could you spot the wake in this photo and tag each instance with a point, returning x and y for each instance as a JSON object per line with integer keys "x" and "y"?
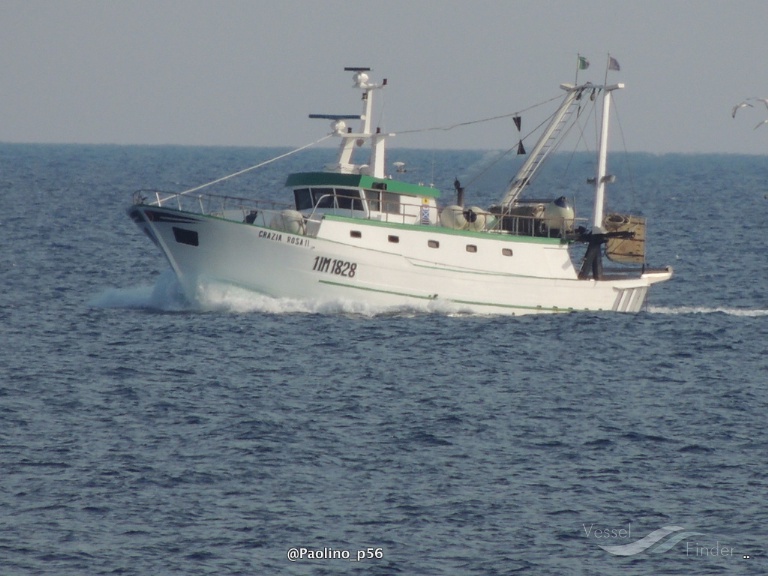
{"x": 746, "y": 312}
{"x": 166, "y": 295}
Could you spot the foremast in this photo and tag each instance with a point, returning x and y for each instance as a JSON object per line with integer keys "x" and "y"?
{"x": 351, "y": 140}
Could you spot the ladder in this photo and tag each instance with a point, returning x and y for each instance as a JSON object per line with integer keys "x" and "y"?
{"x": 544, "y": 146}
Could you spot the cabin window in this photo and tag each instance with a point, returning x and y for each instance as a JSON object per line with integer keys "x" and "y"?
{"x": 349, "y": 199}
{"x": 433, "y": 243}
{"x": 393, "y": 239}
{"x": 471, "y": 248}
{"x": 355, "y": 234}
{"x": 323, "y": 197}
{"x": 303, "y": 199}
{"x": 390, "y": 203}
{"x": 374, "y": 200}
{"x": 506, "y": 251}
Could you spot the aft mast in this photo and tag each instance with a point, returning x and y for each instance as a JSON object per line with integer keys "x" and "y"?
{"x": 602, "y": 160}
{"x": 593, "y": 257}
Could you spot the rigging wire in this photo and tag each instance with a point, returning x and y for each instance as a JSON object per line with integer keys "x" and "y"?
{"x": 627, "y": 163}
{"x": 531, "y": 132}
{"x": 240, "y": 172}
{"x": 470, "y": 122}
{"x": 509, "y": 150}
{"x": 587, "y": 112}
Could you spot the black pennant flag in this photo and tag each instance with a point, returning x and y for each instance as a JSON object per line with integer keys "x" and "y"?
{"x": 520, "y": 148}
{"x": 516, "y": 120}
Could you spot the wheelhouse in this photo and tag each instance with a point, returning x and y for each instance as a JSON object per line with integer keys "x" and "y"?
{"x": 358, "y": 196}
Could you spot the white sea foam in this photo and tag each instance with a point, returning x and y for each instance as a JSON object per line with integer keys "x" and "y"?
{"x": 707, "y": 310}
{"x": 166, "y": 295}
{"x": 227, "y": 298}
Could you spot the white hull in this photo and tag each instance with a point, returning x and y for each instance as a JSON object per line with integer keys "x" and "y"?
{"x": 372, "y": 268}
{"x": 354, "y": 233}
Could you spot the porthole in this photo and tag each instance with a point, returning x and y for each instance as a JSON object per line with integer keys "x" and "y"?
{"x": 471, "y": 248}
{"x": 355, "y": 234}
{"x": 433, "y": 243}
{"x": 184, "y": 236}
{"x": 506, "y": 251}
{"x": 393, "y": 239}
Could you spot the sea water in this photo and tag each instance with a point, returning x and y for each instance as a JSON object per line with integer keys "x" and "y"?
{"x": 142, "y": 434}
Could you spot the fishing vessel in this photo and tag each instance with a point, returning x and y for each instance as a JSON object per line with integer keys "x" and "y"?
{"x": 354, "y": 231}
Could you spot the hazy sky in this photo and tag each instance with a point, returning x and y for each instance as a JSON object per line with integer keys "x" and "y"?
{"x": 237, "y": 72}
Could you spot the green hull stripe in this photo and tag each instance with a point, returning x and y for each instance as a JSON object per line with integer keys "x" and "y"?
{"x": 435, "y": 296}
{"x": 419, "y": 297}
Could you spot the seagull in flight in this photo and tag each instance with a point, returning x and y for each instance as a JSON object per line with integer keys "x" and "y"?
{"x": 741, "y": 105}
{"x": 745, "y": 104}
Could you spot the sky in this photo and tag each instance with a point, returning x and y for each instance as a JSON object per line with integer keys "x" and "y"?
{"x": 248, "y": 72}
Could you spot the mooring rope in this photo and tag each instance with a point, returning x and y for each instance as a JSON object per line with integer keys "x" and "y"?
{"x": 240, "y": 172}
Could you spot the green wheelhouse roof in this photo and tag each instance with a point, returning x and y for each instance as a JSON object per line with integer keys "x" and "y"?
{"x": 359, "y": 181}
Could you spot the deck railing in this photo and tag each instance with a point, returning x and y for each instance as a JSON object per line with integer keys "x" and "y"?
{"x": 209, "y": 204}
{"x": 262, "y": 212}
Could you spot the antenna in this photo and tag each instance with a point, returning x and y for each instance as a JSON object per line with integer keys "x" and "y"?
{"x": 337, "y": 116}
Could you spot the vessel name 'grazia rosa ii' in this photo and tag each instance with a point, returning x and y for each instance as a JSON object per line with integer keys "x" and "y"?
{"x": 353, "y": 232}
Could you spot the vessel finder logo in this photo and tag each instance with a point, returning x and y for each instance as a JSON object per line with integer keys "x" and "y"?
{"x": 656, "y": 542}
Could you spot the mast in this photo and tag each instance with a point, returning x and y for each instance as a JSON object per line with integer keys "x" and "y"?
{"x": 602, "y": 160}
{"x": 350, "y": 140}
{"x": 593, "y": 258}
{"x": 544, "y": 146}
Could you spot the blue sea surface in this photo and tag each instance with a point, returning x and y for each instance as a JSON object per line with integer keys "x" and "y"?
{"x": 141, "y": 434}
